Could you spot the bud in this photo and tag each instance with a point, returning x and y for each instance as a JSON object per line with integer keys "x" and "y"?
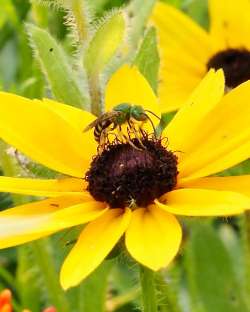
{"x": 104, "y": 44}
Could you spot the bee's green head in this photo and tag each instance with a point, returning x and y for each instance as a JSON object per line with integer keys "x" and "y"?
{"x": 138, "y": 113}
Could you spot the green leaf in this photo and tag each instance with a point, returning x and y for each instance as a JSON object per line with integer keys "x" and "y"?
{"x": 213, "y": 282}
{"x": 139, "y": 12}
{"x": 28, "y": 274}
{"x": 43, "y": 254}
{"x": 176, "y": 3}
{"x": 165, "y": 120}
{"x": 104, "y": 44}
{"x": 97, "y": 5}
{"x": 93, "y": 290}
{"x": 40, "y": 14}
{"x": 148, "y": 60}
{"x": 7, "y": 13}
{"x": 198, "y": 10}
{"x": 54, "y": 63}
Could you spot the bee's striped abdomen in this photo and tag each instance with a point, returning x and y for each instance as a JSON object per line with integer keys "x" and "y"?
{"x": 100, "y": 127}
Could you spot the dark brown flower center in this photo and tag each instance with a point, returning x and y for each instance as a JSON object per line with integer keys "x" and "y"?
{"x": 235, "y": 63}
{"x": 125, "y": 176}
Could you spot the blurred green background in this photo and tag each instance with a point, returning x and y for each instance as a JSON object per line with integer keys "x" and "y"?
{"x": 212, "y": 271}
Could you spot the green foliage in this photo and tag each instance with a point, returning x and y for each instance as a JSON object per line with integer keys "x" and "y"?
{"x": 198, "y": 10}
{"x": 28, "y": 274}
{"x": 176, "y": 3}
{"x": 104, "y": 44}
{"x": 213, "y": 273}
{"x": 212, "y": 279}
{"x": 59, "y": 73}
{"x": 7, "y": 13}
{"x": 148, "y": 60}
{"x": 139, "y": 12}
{"x": 96, "y": 283}
{"x": 43, "y": 254}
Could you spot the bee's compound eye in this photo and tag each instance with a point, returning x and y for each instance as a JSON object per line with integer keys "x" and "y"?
{"x": 138, "y": 113}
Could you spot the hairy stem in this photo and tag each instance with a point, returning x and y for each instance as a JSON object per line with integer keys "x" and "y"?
{"x": 96, "y": 95}
{"x": 80, "y": 16}
{"x": 149, "y": 301}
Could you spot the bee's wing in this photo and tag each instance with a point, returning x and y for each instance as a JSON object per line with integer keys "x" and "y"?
{"x": 91, "y": 125}
{"x": 106, "y": 116}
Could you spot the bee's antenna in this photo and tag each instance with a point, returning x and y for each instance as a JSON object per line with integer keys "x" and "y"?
{"x": 148, "y": 111}
{"x": 152, "y": 124}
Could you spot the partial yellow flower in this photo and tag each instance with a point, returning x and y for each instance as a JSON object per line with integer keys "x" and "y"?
{"x": 209, "y": 134}
{"x": 188, "y": 51}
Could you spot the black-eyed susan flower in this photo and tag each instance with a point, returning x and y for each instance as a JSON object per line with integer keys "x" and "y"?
{"x": 188, "y": 51}
{"x": 125, "y": 190}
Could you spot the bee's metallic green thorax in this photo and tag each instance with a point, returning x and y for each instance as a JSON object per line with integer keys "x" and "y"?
{"x": 128, "y": 110}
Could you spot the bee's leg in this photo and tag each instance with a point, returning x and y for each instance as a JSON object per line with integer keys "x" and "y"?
{"x": 126, "y": 138}
{"x": 152, "y": 125}
{"x": 114, "y": 126}
{"x": 132, "y": 144}
{"x": 121, "y": 135}
{"x": 136, "y": 133}
{"x": 142, "y": 131}
{"x": 102, "y": 141}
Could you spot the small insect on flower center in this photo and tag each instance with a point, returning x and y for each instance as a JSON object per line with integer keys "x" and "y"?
{"x": 125, "y": 176}
{"x": 235, "y": 64}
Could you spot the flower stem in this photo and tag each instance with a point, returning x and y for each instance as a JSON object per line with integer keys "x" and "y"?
{"x": 96, "y": 96}
{"x": 245, "y": 234}
{"x": 149, "y": 301}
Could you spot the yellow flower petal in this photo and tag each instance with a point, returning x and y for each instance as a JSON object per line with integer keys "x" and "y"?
{"x": 43, "y": 135}
{"x": 181, "y": 30}
{"x": 35, "y": 220}
{"x": 47, "y": 188}
{"x": 78, "y": 118}
{"x": 222, "y": 139}
{"x": 205, "y": 97}
{"x": 182, "y": 64}
{"x": 153, "y": 237}
{"x": 128, "y": 85}
{"x": 174, "y": 91}
{"x": 199, "y": 202}
{"x": 94, "y": 244}
{"x": 238, "y": 184}
{"x": 230, "y": 23}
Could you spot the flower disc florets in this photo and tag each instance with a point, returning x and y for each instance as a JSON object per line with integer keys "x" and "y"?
{"x": 235, "y": 64}
{"x": 124, "y": 176}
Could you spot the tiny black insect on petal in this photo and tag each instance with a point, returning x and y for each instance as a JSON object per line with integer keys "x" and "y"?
{"x": 123, "y": 175}
{"x": 235, "y": 64}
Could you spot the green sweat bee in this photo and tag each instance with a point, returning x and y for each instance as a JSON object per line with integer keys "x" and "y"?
{"x": 120, "y": 115}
